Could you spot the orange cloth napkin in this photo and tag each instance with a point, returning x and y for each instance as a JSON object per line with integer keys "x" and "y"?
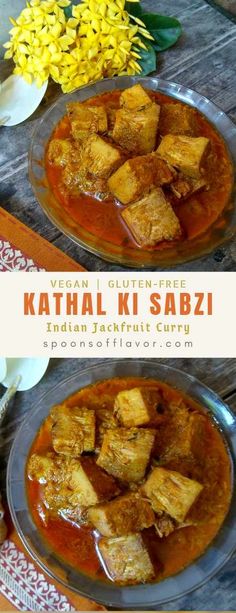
{"x": 23, "y": 249}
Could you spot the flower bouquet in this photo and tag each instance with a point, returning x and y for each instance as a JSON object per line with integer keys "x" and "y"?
{"x": 76, "y": 43}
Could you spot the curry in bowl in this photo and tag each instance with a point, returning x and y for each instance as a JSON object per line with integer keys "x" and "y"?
{"x": 139, "y": 169}
{"x": 128, "y": 480}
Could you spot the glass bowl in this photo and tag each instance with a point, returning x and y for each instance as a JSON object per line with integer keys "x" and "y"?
{"x": 219, "y": 233}
{"x": 142, "y": 596}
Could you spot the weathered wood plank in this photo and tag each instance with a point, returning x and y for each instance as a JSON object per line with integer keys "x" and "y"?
{"x": 231, "y": 401}
{"x": 17, "y": 198}
{"x": 204, "y": 68}
{"x": 228, "y": 7}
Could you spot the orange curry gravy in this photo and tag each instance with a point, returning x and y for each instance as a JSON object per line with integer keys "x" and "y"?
{"x": 103, "y": 218}
{"x": 210, "y": 466}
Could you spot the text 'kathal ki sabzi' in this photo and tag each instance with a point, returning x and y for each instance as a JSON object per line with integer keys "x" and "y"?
{"x": 128, "y": 480}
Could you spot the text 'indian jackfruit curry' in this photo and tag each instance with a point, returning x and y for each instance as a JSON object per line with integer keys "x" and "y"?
{"x": 128, "y": 480}
{"x": 139, "y": 169}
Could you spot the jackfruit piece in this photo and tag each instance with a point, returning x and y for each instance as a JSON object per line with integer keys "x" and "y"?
{"x": 136, "y": 130}
{"x": 135, "y": 98}
{"x": 121, "y": 516}
{"x": 183, "y": 187}
{"x": 77, "y": 179}
{"x": 111, "y": 118}
{"x": 99, "y": 157}
{"x": 61, "y": 151}
{"x": 152, "y": 219}
{"x": 125, "y": 453}
{"x": 185, "y": 153}
{"x": 90, "y": 484}
{"x": 164, "y": 524}
{"x": 169, "y": 491}
{"x": 126, "y": 559}
{"x": 136, "y": 407}
{"x": 183, "y": 437}
{"x": 106, "y": 420}
{"x": 138, "y": 175}
{"x": 73, "y": 430}
{"x": 177, "y": 119}
{"x": 83, "y": 492}
{"x": 85, "y": 119}
{"x": 40, "y": 467}
{"x": 76, "y": 485}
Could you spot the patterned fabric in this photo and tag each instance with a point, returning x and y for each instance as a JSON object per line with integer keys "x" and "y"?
{"x": 13, "y": 260}
{"x": 24, "y": 586}
{"x": 23, "y": 249}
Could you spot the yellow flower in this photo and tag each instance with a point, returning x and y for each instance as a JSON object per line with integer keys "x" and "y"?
{"x": 35, "y": 39}
{"x": 100, "y": 40}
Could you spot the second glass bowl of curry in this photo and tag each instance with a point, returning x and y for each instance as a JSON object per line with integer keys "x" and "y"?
{"x": 193, "y": 451}
{"x": 103, "y": 193}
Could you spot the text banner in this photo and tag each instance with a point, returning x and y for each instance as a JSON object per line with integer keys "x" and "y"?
{"x": 118, "y": 314}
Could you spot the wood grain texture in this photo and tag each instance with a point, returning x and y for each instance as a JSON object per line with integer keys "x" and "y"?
{"x": 227, "y": 7}
{"x": 203, "y": 59}
{"x": 220, "y": 375}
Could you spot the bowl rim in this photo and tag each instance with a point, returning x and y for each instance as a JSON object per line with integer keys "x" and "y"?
{"x": 111, "y": 596}
{"x": 101, "y": 247}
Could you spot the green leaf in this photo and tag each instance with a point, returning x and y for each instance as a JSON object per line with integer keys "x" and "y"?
{"x": 148, "y": 60}
{"x": 133, "y": 8}
{"x": 68, "y": 9}
{"x": 165, "y": 30}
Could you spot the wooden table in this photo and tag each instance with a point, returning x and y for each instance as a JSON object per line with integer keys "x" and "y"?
{"x": 228, "y": 7}
{"x": 220, "y": 374}
{"x": 204, "y": 59}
